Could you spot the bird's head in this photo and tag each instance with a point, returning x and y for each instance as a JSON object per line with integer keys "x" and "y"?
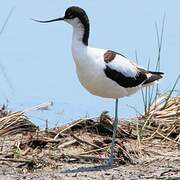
{"x": 74, "y": 15}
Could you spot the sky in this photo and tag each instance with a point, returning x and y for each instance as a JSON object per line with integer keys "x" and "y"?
{"x": 36, "y": 63}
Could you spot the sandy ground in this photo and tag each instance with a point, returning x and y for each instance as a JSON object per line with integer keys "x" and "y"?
{"x": 160, "y": 164}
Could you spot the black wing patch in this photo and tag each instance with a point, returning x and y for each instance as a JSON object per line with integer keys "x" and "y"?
{"x": 154, "y": 77}
{"x": 124, "y": 81}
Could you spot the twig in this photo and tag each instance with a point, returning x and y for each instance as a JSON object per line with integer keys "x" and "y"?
{"x": 145, "y": 123}
{"x": 50, "y": 140}
{"x": 128, "y": 156}
{"x": 71, "y": 125}
{"x": 68, "y": 143}
{"x": 95, "y": 150}
{"x": 16, "y": 160}
{"x": 152, "y": 135}
{"x": 85, "y": 142}
{"x": 168, "y": 138}
{"x": 169, "y": 133}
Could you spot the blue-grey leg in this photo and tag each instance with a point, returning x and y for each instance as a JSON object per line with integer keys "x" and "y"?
{"x": 109, "y": 163}
{"x": 115, "y": 123}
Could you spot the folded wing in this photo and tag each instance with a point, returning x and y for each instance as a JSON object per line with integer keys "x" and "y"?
{"x": 128, "y": 75}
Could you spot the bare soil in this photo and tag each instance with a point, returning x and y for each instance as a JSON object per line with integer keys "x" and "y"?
{"x": 157, "y": 167}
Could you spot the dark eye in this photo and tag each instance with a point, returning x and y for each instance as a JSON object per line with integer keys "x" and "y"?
{"x": 71, "y": 17}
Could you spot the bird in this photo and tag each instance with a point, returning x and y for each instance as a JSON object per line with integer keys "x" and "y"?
{"x": 103, "y": 72}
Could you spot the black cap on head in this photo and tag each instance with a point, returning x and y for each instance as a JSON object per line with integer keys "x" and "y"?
{"x": 71, "y": 13}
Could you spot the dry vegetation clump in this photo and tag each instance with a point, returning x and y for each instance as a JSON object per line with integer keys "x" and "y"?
{"x": 162, "y": 121}
{"x": 14, "y": 122}
{"x": 85, "y": 140}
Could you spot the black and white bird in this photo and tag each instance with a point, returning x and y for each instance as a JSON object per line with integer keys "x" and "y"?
{"x": 103, "y": 72}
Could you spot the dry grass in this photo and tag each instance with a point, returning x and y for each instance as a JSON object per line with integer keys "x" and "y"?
{"x": 162, "y": 121}
{"x": 14, "y": 123}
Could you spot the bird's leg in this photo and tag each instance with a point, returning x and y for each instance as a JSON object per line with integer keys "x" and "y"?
{"x": 110, "y": 161}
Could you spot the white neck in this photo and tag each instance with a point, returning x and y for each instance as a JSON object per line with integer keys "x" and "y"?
{"x": 78, "y": 48}
{"x": 78, "y": 33}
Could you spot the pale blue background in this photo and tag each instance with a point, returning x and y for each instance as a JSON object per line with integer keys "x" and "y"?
{"x": 37, "y": 58}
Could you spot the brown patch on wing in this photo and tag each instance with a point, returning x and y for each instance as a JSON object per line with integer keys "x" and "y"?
{"x": 109, "y": 56}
